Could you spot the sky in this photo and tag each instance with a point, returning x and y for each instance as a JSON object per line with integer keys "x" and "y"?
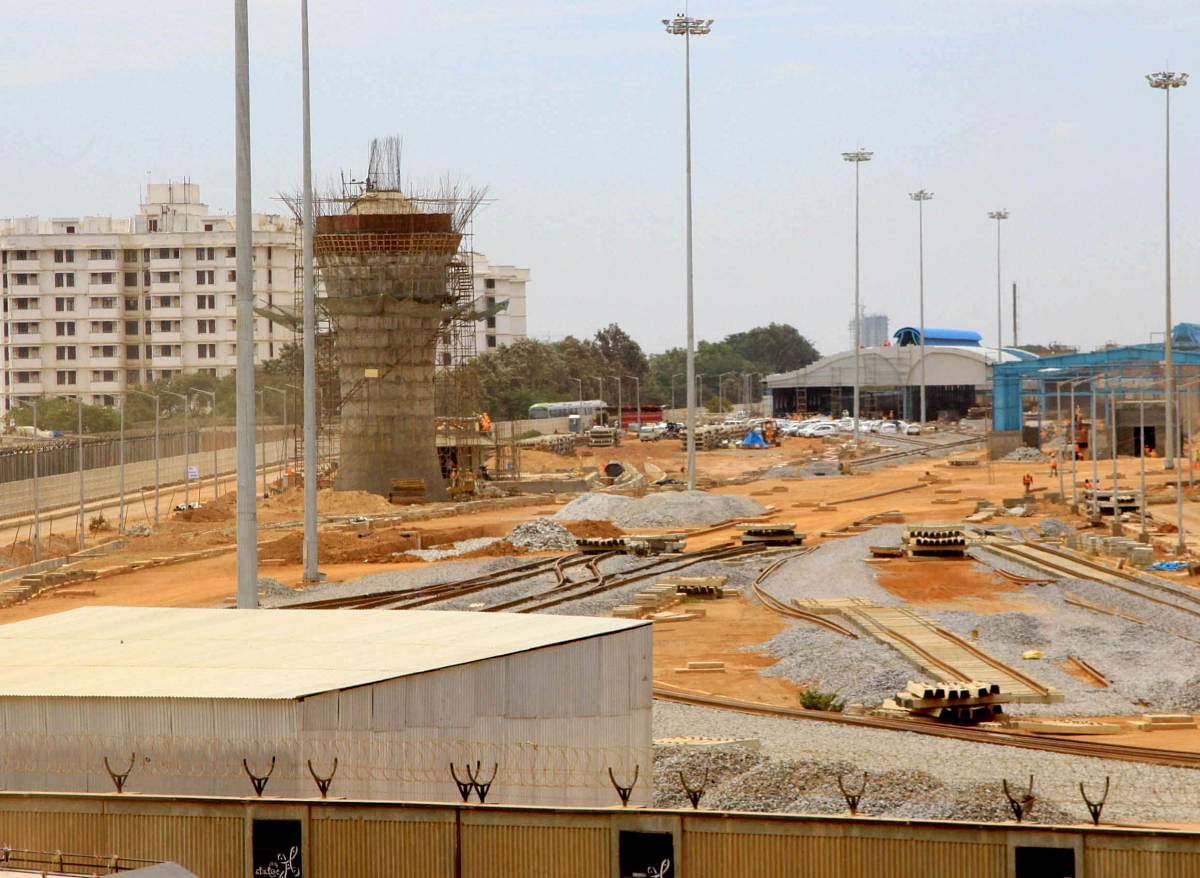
{"x": 572, "y": 115}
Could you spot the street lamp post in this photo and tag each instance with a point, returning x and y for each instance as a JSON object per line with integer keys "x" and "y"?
{"x": 997, "y": 215}
{"x": 1167, "y": 81}
{"x": 187, "y": 474}
{"x": 1144, "y": 536}
{"x": 687, "y": 27}
{"x": 79, "y": 445}
{"x": 857, "y": 157}
{"x": 283, "y": 445}
{"x": 156, "y": 454}
{"x": 920, "y": 197}
{"x": 1074, "y": 443}
{"x": 699, "y": 389}
{"x": 212, "y": 395}
{"x": 620, "y": 409}
{"x": 638, "y": 386}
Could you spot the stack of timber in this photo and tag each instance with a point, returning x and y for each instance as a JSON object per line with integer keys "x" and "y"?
{"x": 770, "y": 534}
{"x": 602, "y": 437}
{"x": 935, "y": 539}
{"x": 696, "y": 586}
{"x": 407, "y": 491}
{"x": 599, "y": 545}
{"x": 963, "y": 459}
{"x": 654, "y": 544}
{"x": 1158, "y": 722}
{"x": 953, "y": 701}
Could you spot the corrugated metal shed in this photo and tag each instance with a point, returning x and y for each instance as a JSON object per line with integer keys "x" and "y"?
{"x": 124, "y": 652}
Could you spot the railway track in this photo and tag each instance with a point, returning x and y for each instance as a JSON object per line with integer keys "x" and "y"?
{"x": 1061, "y": 563}
{"x": 918, "y": 447}
{"x": 777, "y": 606}
{"x": 1007, "y": 738}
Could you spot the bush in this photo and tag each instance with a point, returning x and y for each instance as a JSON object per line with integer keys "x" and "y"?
{"x": 813, "y": 698}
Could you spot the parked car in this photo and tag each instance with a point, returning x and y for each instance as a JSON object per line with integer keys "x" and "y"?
{"x": 913, "y": 430}
{"x": 825, "y": 428}
{"x": 648, "y": 433}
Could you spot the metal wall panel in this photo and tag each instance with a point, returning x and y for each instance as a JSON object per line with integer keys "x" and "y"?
{"x": 535, "y": 851}
{"x": 371, "y": 848}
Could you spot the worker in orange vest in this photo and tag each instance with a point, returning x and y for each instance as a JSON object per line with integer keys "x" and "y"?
{"x": 1053, "y": 467}
{"x": 1027, "y": 481}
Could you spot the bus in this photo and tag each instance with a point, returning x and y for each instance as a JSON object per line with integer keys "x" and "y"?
{"x": 587, "y": 410}
{"x": 630, "y": 414}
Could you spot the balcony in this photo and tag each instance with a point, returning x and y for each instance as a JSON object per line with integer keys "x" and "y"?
{"x": 24, "y": 264}
{"x": 163, "y": 288}
{"x": 98, "y": 362}
{"x": 27, "y": 387}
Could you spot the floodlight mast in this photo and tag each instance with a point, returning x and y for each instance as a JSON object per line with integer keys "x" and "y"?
{"x": 1167, "y": 80}
{"x": 920, "y": 197}
{"x": 858, "y": 156}
{"x": 687, "y": 27}
{"x": 998, "y": 215}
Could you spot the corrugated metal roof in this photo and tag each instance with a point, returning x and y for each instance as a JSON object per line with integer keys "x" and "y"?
{"x": 124, "y": 652}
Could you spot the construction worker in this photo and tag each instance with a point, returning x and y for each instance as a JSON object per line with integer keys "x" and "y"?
{"x": 1053, "y": 467}
{"x": 1027, "y": 481}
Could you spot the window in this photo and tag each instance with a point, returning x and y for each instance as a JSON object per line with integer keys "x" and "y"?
{"x": 131, "y": 327}
{"x": 145, "y": 278}
{"x": 63, "y": 328}
{"x": 206, "y": 254}
{"x": 131, "y": 278}
{"x": 64, "y": 255}
{"x": 104, "y": 350}
{"x": 168, "y": 253}
{"x": 231, "y": 276}
{"x": 269, "y": 276}
{"x": 206, "y": 302}
{"x": 27, "y": 377}
{"x": 168, "y": 326}
{"x": 208, "y": 227}
{"x": 64, "y": 352}
{"x": 131, "y": 303}
{"x": 152, "y": 225}
{"x": 64, "y": 303}
{"x": 206, "y": 327}
{"x": 166, "y": 301}
{"x": 269, "y": 250}
{"x": 104, "y": 326}
{"x": 104, "y": 375}
{"x": 489, "y": 283}
{"x": 70, "y": 230}
{"x": 206, "y": 277}
{"x": 101, "y": 277}
{"x": 149, "y": 352}
{"x": 64, "y": 279}
{"x": 26, "y": 354}
{"x": 148, "y": 327}
{"x": 491, "y": 322}
{"x": 26, "y": 328}
{"x": 231, "y": 252}
{"x": 206, "y": 351}
{"x": 129, "y": 256}
{"x": 132, "y": 352}
{"x": 146, "y": 255}
{"x": 65, "y": 377}
{"x": 20, "y": 254}
{"x": 165, "y": 277}
{"x": 100, "y": 254}
{"x": 491, "y": 341}
{"x": 24, "y": 304}
{"x": 22, "y": 280}
{"x": 104, "y": 302}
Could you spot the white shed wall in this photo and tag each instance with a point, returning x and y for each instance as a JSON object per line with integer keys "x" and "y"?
{"x": 553, "y": 719}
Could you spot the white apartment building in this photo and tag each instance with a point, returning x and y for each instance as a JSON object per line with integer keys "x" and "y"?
{"x": 95, "y": 305}
{"x": 494, "y": 284}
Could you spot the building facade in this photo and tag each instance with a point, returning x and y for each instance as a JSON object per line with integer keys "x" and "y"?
{"x": 92, "y": 306}
{"x": 495, "y": 284}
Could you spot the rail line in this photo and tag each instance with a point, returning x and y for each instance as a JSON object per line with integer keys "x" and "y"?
{"x": 777, "y": 606}
{"x": 1001, "y": 737}
{"x": 1061, "y": 563}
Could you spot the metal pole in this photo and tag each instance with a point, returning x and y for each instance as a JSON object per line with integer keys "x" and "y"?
{"x": 79, "y": 404}
{"x": 1112, "y": 432}
{"x": 310, "y": 329}
{"x": 920, "y": 197}
{"x": 121, "y": 446}
{"x": 247, "y": 512}
{"x": 262, "y": 440}
{"x": 1168, "y": 341}
{"x": 216, "y": 471}
{"x": 1144, "y": 536}
{"x": 1092, "y": 432}
{"x": 157, "y": 458}
{"x": 620, "y": 410}
{"x": 187, "y": 482}
{"x": 1181, "y": 546}
{"x": 1074, "y": 453}
{"x": 638, "y": 385}
{"x": 37, "y": 521}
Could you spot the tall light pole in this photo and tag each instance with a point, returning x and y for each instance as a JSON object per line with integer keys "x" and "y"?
{"x": 187, "y": 450}
{"x": 212, "y": 395}
{"x": 639, "y": 398}
{"x": 309, "y": 550}
{"x": 1167, "y": 81}
{"x": 857, "y": 157}
{"x": 157, "y": 456}
{"x": 79, "y": 407}
{"x": 620, "y": 408}
{"x": 997, "y": 215}
{"x": 580, "y": 381}
{"x": 687, "y": 27}
{"x": 247, "y": 509}
{"x": 920, "y": 197}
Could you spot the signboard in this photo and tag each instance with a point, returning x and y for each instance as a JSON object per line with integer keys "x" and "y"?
{"x": 193, "y": 473}
{"x": 646, "y": 854}
{"x": 275, "y": 847}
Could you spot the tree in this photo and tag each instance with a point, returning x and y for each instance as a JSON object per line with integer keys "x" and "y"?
{"x": 776, "y": 347}
{"x": 621, "y": 353}
{"x": 62, "y": 414}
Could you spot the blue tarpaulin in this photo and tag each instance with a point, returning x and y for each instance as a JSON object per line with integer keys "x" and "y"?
{"x": 754, "y": 439}
{"x": 1168, "y": 565}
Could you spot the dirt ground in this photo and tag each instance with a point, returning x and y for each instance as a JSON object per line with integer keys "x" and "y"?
{"x": 926, "y": 491}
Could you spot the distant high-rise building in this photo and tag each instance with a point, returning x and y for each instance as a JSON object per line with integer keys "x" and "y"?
{"x": 873, "y": 330}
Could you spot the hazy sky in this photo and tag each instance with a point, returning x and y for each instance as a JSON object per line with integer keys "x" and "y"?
{"x": 572, "y": 115}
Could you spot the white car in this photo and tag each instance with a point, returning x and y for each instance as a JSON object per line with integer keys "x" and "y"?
{"x": 913, "y": 430}
{"x": 825, "y": 428}
{"x": 891, "y": 428}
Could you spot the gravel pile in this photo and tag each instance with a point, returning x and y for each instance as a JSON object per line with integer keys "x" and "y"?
{"x": 459, "y": 548}
{"x": 541, "y": 535}
{"x": 1033, "y": 455}
{"x": 668, "y": 509}
{"x": 908, "y": 775}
